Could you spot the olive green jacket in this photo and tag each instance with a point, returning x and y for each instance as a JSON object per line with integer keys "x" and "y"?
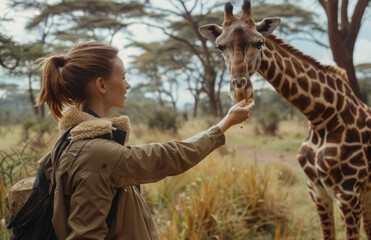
{"x": 95, "y": 196}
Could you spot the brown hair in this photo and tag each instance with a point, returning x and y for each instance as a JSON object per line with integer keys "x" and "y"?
{"x": 64, "y": 78}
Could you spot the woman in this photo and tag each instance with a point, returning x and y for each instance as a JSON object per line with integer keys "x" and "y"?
{"x": 95, "y": 196}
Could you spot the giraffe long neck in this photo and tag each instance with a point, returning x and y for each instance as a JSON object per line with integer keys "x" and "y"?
{"x": 315, "y": 90}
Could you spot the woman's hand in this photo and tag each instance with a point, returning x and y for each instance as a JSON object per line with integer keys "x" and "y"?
{"x": 236, "y": 114}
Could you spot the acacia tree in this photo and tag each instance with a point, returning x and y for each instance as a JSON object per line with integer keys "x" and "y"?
{"x": 160, "y": 71}
{"x": 168, "y": 66}
{"x": 86, "y": 20}
{"x": 180, "y": 20}
{"x": 342, "y": 33}
{"x": 56, "y": 26}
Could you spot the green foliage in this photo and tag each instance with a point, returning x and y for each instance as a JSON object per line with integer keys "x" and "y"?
{"x": 269, "y": 120}
{"x": 364, "y": 79}
{"x": 164, "y": 119}
{"x": 18, "y": 164}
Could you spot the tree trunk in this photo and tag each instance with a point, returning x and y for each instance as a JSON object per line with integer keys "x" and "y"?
{"x": 32, "y": 97}
{"x": 211, "y": 92}
{"x": 195, "y": 107}
{"x": 342, "y": 35}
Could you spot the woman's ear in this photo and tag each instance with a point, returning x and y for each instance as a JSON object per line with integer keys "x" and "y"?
{"x": 100, "y": 85}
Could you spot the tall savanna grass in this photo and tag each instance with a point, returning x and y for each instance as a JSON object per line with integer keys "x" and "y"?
{"x": 226, "y": 196}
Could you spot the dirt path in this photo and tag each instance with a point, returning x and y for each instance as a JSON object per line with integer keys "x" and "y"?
{"x": 289, "y": 159}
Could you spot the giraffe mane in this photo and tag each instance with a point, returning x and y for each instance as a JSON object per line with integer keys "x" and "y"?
{"x": 310, "y": 59}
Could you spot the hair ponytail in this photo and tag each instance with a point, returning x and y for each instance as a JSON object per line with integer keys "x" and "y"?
{"x": 84, "y": 62}
{"x": 54, "y": 91}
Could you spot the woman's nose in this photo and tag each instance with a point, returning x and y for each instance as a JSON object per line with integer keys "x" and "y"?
{"x": 127, "y": 85}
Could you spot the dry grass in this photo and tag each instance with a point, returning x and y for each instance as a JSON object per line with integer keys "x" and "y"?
{"x": 227, "y": 195}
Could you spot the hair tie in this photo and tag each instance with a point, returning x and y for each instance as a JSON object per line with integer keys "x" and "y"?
{"x": 60, "y": 61}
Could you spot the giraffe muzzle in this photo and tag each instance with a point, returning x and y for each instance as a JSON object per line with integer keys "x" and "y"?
{"x": 241, "y": 88}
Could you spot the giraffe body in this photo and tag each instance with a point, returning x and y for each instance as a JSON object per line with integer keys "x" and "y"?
{"x": 336, "y": 156}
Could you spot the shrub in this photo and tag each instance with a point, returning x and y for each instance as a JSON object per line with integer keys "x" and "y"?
{"x": 269, "y": 120}
{"x": 163, "y": 119}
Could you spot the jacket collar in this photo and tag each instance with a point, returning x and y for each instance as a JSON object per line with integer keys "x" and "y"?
{"x": 84, "y": 126}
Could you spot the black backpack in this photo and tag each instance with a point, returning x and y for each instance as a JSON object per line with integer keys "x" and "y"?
{"x": 34, "y": 220}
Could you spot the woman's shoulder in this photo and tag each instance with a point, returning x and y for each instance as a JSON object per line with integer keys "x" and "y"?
{"x": 98, "y": 154}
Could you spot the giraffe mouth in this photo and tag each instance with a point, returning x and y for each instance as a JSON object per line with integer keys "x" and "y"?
{"x": 241, "y": 89}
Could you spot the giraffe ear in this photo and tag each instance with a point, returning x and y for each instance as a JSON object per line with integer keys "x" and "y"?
{"x": 211, "y": 31}
{"x": 267, "y": 25}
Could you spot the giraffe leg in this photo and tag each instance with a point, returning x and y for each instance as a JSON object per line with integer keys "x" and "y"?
{"x": 325, "y": 210}
{"x": 366, "y": 212}
{"x": 350, "y": 209}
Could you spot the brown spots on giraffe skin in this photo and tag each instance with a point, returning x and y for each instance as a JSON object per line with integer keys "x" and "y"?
{"x": 277, "y": 81}
{"x": 316, "y": 89}
{"x": 312, "y": 74}
{"x": 297, "y": 65}
{"x": 311, "y": 174}
{"x": 349, "y": 184}
{"x": 321, "y": 134}
{"x": 293, "y": 90}
{"x": 332, "y": 124}
{"x": 335, "y": 174}
{"x": 331, "y": 151}
{"x": 303, "y": 83}
{"x": 306, "y": 154}
{"x": 366, "y": 137}
{"x": 329, "y": 95}
{"x": 348, "y": 170}
{"x": 335, "y": 136}
{"x": 347, "y": 116}
{"x": 340, "y": 102}
{"x": 328, "y": 113}
{"x": 284, "y": 54}
{"x": 321, "y": 77}
{"x": 289, "y": 70}
{"x": 267, "y": 53}
{"x": 269, "y": 45}
{"x": 339, "y": 85}
{"x": 352, "y": 135}
{"x": 361, "y": 119}
{"x": 330, "y": 82}
{"x": 301, "y": 102}
{"x": 278, "y": 60}
{"x": 263, "y": 65}
{"x": 271, "y": 71}
{"x": 285, "y": 89}
{"x": 306, "y": 65}
{"x": 362, "y": 174}
{"x": 357, "y": 160}
{"x": 353, "y": 108}
{"x": 329, "y": 182}
{"x": 317, "y": 110}
{"x": 348, "y": 150}
{"x": 302, "y": 160}
{"x": 314, "y": 139}
{"x": 322, "y": 164}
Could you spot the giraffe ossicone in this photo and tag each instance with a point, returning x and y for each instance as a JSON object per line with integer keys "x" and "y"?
{"x": 336, "y": 156}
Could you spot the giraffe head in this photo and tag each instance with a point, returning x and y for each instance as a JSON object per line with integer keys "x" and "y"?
{"x": 240, "y": 41}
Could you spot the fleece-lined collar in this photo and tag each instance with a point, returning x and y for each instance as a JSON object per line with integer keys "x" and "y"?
{"x": 86, "y": 126}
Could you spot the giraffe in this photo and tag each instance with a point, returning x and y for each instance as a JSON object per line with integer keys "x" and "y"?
{"x": 336, "y": 155}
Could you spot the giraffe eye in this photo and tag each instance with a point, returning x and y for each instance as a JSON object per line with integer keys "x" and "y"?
{"x": 221, "y": 49}
{"x": 259, "y": 44}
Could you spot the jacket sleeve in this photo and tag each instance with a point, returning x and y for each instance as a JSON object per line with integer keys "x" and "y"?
{"x": 153, "y": 162}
